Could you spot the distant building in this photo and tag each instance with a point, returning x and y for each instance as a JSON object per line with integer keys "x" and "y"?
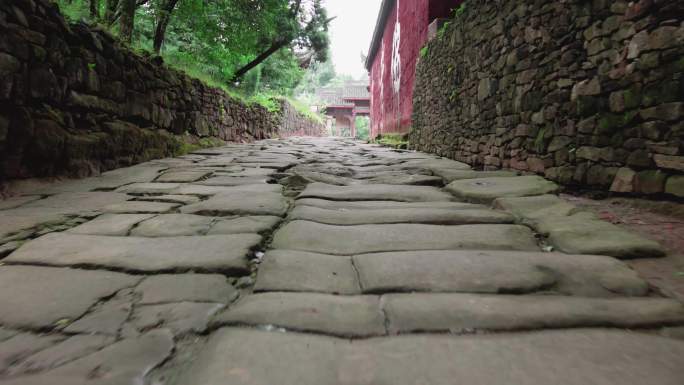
{"x": 344, "y": 104}
{"x": 400, "y": 33}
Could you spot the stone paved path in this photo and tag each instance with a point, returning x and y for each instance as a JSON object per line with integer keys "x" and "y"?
{"x": 324, "y": 261}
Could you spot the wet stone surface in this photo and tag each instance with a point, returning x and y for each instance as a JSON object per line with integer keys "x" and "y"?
{"x": 324, "y": 261}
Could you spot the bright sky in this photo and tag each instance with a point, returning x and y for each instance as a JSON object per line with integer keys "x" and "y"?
{"x": 351, "y": 32}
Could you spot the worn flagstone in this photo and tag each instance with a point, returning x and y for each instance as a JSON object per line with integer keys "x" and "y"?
{"x": 288, "y": 270}
{"x": 349, "y": 240}
{"x": 182, "y": 176}
{"x": 485, "y": 190}
{"x": 375, "y": 192}
{"x": 481, "y": 271}
{"x": 578, "y": 232}
{"x": 240, "y": 203}
{"x": 567, "y": 357}
{"x": 414, "y": 179}
{"x": 196, "y": 189}
{"x": 172, "y": 225}
{"x": 68, "y": 350}
{"x": 124, "y": 362}
{"x": 181, "y": 318}
{"x": 229, "y": 180}
{"x": 165, "y": 288}
{"x": 382, "y": 205}
{"x": 169, "y": 198}
{"x": 468, "y": 312}
{"x": 250, "y": 224}
{"x": 36, "y": 295}
{"x": 110, "y": 224}
{"x": 352, "y": 316}
{"x": 148, "y": 188}
{"x": 449, "y": 174}
{"x": 106, "y": 318}
{"x": 22, "y": 345}
{"x": 207, "y": 253}
{"x": 437, "y": 216}
{"x": 134, "y": 207}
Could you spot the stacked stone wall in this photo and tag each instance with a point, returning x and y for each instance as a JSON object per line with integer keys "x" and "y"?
{"x": 587, "y": 93}
{"x": 294, "y": 123}
{"x": 73, "y": 101}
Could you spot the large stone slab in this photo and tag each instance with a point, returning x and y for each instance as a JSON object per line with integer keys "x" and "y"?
{"x": 350, "y": 240}
{"x": 579, "y": 236}
{"x": 203, "y": 253}
{"x": 37, "y": 297}
{"x": 497, "y": 272}
{"x": 182, "y": 176}
{"x": 68, "y": 350}
{"x": 567, "y": 357}
{"x": 165, "y": 288}
{"x": 485, "y": 190}
{"x": 171, "y": 225}
{"x": 240, "y": 203}
{"x": 350, "y": 316}
{"x": 578, "y": 232}
{"x": 134, "y": 207}
{"x": 407, "y": 179}
{"x": 437, "y": 216}
{"x": 196, "y": 189}
{"x": 531, "y": 209}
{"x": 149, "y": 188}
{"x": 449, "y": 175}
{"x": 229, "y": 180}
{"x": 110, "y": 224}
{"x": 382, "y": 205}
{"x": 375, "y": 192}
{"x": 460, "y": 313}
{"x": 181, "y": 318}
{"x": 287, "y": 270}
{"x": 254, "y": 224}
{"x": 22, "y": 345}
{"x": 124, "y": 362}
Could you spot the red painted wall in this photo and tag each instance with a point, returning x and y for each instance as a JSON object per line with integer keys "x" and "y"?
{"x": 392, "y": 101}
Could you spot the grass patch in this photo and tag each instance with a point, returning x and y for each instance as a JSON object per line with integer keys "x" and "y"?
{"x": 399, "y": 141}
{"x": 186, "y": 145}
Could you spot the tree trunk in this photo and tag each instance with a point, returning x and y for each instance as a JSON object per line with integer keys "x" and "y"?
{"x": 162, "y": 23}
{"x": 127, "y": 10}
{"x": 94, "y": 9}
{"x": 259, "y": 59}
{"x": 110, "y": 11}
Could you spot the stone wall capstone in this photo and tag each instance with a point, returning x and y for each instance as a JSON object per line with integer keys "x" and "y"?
{"x": 587, "y": 93}
{"x": 73, "y": 101}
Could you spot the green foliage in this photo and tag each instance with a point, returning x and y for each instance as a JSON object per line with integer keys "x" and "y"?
{"x": 424, "y": 51}
{"x": 460, "y": 10}
{"x": 393, "y": 140}
{"x": 442, "y": 29}
{"x": 211, "y": 40}
{"x": 362, "y": 127}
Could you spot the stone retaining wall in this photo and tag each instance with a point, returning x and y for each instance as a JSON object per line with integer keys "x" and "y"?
{"x": 587, "y": 93}
{"x": 74, "y": 101}
{"x": 294, "y": 123}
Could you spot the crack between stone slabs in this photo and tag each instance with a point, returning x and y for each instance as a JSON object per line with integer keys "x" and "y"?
{"x": 261, "y": 327}
{"x": 385, "y": 316}
{"x": 282, "y": 329}
{"x": 229, "y": 272}
{"x": 357, "y": 273}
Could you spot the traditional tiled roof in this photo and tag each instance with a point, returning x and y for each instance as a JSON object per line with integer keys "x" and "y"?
{"x": 342, "y": 96}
